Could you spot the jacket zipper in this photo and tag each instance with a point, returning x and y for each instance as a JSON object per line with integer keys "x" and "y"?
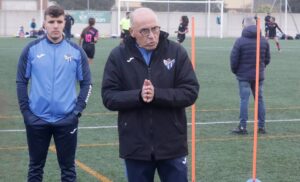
{"x": 150, "y": 113}
{"x": 53, "y": 80}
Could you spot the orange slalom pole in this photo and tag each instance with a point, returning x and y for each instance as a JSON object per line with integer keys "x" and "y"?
{"x": 193, "y": 108}
{"x": 256, "y": 100}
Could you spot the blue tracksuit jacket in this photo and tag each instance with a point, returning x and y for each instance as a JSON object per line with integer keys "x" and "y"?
{"x": 53, "y": 71}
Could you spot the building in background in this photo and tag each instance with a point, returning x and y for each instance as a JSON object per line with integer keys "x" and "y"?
{"x": 127, "y": 6}
{"x": 19, "y": 13}
{"x": 23, "y": 5}
{"x": 238, "y": 6}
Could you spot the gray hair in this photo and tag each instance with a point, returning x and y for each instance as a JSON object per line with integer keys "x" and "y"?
{"x": 139, "y": 11}
{"x": 248, "y": 21}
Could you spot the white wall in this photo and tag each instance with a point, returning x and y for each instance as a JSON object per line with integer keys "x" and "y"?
{"x": 10, "y": 21}
{"x": 19, "y": 5}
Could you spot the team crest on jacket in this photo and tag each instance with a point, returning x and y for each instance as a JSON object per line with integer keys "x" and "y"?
{"x": 39, "y": 56}
{"x": 68, "y": 57}
{"x": 169, "y": 63}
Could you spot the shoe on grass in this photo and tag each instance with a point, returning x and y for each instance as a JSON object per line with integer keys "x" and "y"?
{"x": 240, "y": 130}
{"x": 262, "y": 131}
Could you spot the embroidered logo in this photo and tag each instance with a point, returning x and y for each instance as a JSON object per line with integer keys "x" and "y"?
{"x": 39, "y": 56}
{"x": 184, "y": 161}
{"x": 68, "y": 57}
{"x": 130, "y": 59}
{"x": 169, "y": 63}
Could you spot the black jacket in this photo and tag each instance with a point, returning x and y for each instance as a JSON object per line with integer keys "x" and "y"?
{"x": 243, "y": 55}
{"x": 69, "y": 21}
{"x": 158, "y": 128}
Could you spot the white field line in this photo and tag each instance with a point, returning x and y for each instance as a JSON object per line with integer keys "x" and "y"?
{"x": 197, "y": 123}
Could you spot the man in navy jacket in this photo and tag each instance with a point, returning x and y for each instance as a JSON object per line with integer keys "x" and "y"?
{"x": 68, "y": 26}
{"x": 243, "y": 65}
{"x": 150, "y": 81}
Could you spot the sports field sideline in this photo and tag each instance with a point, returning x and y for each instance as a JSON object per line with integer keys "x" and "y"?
{"x": 221, "y": 156}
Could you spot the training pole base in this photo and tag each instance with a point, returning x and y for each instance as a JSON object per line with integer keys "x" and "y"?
{"x": 251, "y": 180}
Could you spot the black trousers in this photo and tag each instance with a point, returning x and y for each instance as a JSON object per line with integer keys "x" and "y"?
{"x": 67, "y": 32}
{"x": 39, "y": 134}
{"x": 170, "y": 170}
{"x": 89, "y": 49}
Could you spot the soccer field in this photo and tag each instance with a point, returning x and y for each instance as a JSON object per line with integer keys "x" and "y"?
{"x": 220, "y": 155}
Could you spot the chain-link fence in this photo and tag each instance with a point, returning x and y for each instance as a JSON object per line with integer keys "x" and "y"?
{"x": 106, "y": 14}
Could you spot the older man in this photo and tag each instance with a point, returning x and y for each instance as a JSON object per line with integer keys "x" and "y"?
{"x": 150, "y": 81}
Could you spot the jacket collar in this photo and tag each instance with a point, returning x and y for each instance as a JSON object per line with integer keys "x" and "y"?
{"x": 50, "y": 42}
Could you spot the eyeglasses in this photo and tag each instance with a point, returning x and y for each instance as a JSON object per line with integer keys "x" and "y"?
{"x": 146, "y": 31}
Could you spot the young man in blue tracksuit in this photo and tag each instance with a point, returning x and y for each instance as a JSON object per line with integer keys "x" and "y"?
{"x": 52, "y": 107}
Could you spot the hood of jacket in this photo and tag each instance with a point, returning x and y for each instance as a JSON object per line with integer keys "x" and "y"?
{"x": 249, "y": 32}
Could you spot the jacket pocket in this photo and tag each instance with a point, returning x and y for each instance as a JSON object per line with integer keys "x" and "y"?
{"x": 180, "y": 127}
{"x": 29, "y": 117}
{"x": 127, "y": 124}
{"x": 69, "y": 120}
{"x": 122, "y": 127}
{"x": 179, "y": 123}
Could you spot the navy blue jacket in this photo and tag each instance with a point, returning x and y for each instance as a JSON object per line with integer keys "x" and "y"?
{"x": 157, "y": 128}
{"x": 243, "y": 55}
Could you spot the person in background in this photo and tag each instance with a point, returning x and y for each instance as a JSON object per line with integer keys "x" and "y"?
{"x": 68, "y": 26}
{"x": 125, "y": 26}
{"x": 32, "y": 24}
{"x": 88, "y": 39}
{"x": 41, "y": 32}
{"x": 182, "y": 29}
{"x": 267, "y": 21}
{"x": 272, "y": 33}
{"x": 243, "y": 66}
{"x": 150, "y": 81}
{"x": 51, "y": 106}
{"x": 33, "y": 32}
{"x": 21, "y": 33}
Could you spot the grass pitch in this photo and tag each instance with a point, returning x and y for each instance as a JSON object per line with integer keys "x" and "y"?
{"x": 221, "y": 156}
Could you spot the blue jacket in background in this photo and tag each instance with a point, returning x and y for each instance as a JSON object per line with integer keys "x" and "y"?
{"x": 243, "y": 55}
{"x": 53, "y": 71}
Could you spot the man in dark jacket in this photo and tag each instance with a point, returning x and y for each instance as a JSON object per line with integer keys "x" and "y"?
{"x": 267, "y": 21}
{"x": 243, "y": 65}
{"x": 68, "y": 26}
{"x": 150, "y": 81}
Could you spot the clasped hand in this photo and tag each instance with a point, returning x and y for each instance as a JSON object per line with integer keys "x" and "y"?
{"x": 147, "y": 93}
